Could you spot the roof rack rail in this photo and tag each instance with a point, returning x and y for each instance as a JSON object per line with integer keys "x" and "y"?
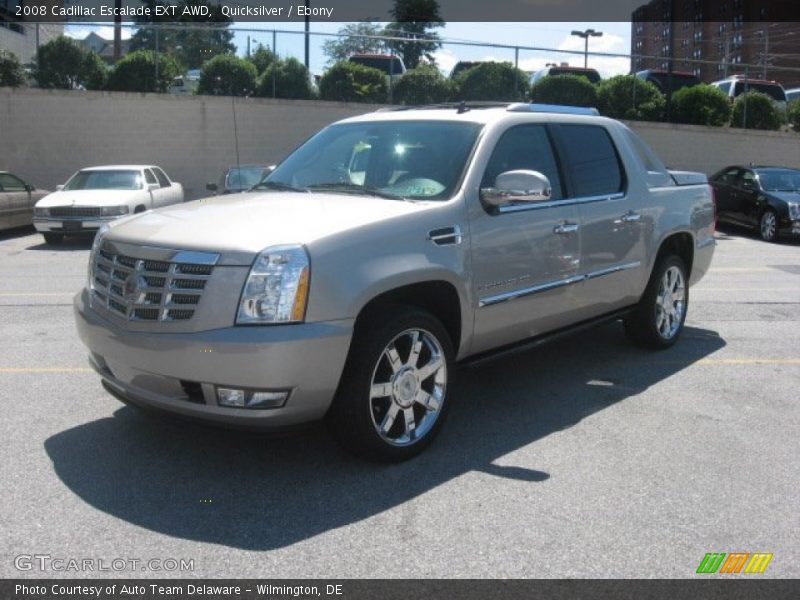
{"x": 553, "y": 108}
{"x": 462, "y": 106}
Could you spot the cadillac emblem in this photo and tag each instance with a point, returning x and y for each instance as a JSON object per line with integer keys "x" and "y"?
{"x": 131, "y": 288}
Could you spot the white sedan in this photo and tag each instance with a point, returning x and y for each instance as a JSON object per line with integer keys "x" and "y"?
{"x": 96, "y": 195}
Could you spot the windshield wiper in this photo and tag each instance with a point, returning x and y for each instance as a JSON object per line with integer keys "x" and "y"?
{"x": 277, "y": 185}
{"x": 352, "y": 188}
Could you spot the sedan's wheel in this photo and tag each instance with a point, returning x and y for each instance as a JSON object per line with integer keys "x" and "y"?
{"x": 769, "y": 226}
{"x": 53, "y": 238}
{"x": 658, "y": 319}
{"x": 393, "y": 396}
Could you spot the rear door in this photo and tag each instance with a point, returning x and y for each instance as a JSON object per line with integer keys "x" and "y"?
{"x": 15, "y": 202}
{"x": 524, "y": 256}
{"x": 727, "y": 193}
{"x": 612, "y": 227}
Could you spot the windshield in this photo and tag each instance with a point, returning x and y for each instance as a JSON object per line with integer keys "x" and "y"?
{"x": 243, "y": 177}
{"x": 780, "y": 180}
{"x": 679, "y": 81}
{"x": 387, "y": 64}
{"x": 105, "y": 180}
{"x": 421, "y": 160}
{"x": 770, "y": 89}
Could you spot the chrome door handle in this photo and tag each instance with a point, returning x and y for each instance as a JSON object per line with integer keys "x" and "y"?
{"x": 565, "y": 228}
{"x": 631, "y": 217}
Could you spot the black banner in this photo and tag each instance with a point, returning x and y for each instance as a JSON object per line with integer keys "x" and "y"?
{"x": 277, "y": 11}
{"x": 427, "y": 589}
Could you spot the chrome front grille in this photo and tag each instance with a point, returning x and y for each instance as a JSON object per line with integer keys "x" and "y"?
{"x": 143, "y": 289}
{"x": 75, "y": 211}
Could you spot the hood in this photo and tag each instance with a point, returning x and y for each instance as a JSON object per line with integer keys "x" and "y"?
{"x": 251, "y": 222}
{"x": 784, "y": 196}
{"x": 90, "y": 198}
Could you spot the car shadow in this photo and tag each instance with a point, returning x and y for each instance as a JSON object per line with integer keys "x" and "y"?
{"x": 69, "y": 244}
{"x": 730, "y": 231}
{"x": 257, "y": 492}
{"x": 16, "y": 232}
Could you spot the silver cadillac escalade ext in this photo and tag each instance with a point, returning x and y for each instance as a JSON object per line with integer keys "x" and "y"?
{"x": 349, "y": 283}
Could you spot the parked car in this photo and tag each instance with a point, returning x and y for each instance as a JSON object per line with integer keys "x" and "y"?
{"x": 16, "y": 201}
{"x": 391, "y": 66}
{"x": 660, "y": 79}
{"x": 348, "y": 289}
{"x": 97, "y": 195}
{"x": 564, "y": 69}
{"x": 238, "y": 179}
{"x": 762, "y": 198}
{"x": 736, "y": 85}
{"x": 792, "y": 94}
{"x": 186, "y": 84}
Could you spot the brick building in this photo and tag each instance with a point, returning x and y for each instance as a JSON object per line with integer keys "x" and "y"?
{"x": 731, "y": 37}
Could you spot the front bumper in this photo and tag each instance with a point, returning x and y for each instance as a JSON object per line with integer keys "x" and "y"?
{"x": 179, "y": 372}
{"x": 71, "y": 225}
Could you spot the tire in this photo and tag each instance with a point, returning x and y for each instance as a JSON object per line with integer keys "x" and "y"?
{"x": 768, "y": 226}
{"x": 657, "y": 321}
{"x": 389, "y": 406}
{"x": 53, "y": 238}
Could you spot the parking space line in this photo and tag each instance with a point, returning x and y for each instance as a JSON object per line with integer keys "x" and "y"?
{"x": 18, "y": 294}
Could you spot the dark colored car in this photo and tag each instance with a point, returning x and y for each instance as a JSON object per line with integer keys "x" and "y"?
{"x": 239, "y": 179}
{"x": 464, "y": 65}
{"x": 763, "y": 198}
{"x": 591, "y": 74}
{"x": 660, "y": 79}
{"x": 17, "y": 199}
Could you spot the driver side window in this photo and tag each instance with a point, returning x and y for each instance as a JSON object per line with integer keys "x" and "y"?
{"x": 525, "y": 147}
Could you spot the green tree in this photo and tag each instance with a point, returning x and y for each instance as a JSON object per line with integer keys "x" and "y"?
{"x": 65, "y": 64}
{"x": 492, "y": 81}
{"x": 351, "y": 41}
{"x": 290, "y": 77}
{"x": 760, "y": 112}
{"x": 628, "y": 97}
{"x": 423, "y": 85}
{"x": 136, "y": 72}
{"x": 227, "y": 75}
{"x": 793, "y": 114}
{"x": 191, "y": 47}
{"x": 701, "y": 105}
{"x": 262, "y": 58}
{"x": 350, "y": 82}
{"x": 415, "y": 20}
{"x": 11, "y": 72}
{"x": 569, "y": 90}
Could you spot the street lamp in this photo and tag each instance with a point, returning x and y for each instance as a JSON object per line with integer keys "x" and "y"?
{"x": 586, "y": 35}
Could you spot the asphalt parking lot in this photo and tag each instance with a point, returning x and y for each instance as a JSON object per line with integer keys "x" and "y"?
{"x": 584, "y": 458}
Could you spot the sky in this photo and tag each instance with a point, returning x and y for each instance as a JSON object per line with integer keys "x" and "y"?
{"x": 616, "y": 39}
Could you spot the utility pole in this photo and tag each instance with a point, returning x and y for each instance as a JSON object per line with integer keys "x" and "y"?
{"x": 308, "y": 24}
{"x": 671, "y": 58}
{"x": 586, "y": 35}
{"x": 765, "y": 57}
{"x": 117, "y": 30}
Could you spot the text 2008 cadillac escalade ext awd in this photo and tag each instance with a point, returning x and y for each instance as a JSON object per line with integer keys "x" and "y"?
{"x": 381, "y": 252}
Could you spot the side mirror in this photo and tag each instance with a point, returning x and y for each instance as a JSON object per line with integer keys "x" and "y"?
{"x": 271, "y": 168}
{"x": 748, "y": 185}
{"x": 59, "y": 187}
{"x": 152, "y": 187}
{"x": 211, "y": 187}
{"x": 29, "y": 188}
{"x": 517, "y": 186}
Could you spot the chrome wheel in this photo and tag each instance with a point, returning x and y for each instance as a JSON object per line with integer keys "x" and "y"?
{"x": 670, "y": 303}
{"x": 408, "y": 387}
{"x": 769, "y": 226}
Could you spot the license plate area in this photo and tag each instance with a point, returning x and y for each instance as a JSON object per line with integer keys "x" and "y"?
{"x": 73, "y": 225}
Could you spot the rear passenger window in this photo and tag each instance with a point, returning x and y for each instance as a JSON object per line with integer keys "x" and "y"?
{"x": 149, "y": 177}
{"x": 524, "y": 147}
{"x": 162, "y": 178}
{"x": 592, "y": 160}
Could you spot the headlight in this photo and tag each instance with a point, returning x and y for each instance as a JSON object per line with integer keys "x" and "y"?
{"x": 114, "y": 211}
{"x": 276, "y": 290}
{"x": 98, "y": 241}
{"x": 794, "y": 211}
{"x": 41, "y": 212}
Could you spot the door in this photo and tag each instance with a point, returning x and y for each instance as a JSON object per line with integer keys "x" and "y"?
{"x": 727, "y": 194}
{"x": 524, "y": 256}
{"x": 15, "y": 202}
{"x": 748, "y": 206}
{"x": 167, "y": 194}
{"x": 612, "y": 227}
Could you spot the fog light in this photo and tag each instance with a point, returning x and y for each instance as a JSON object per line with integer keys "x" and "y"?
{"x": 228, "y": 397}
{"x": 250, "y": 398}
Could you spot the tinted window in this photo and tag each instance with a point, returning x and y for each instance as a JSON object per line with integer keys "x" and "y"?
{"x": 589, "y": 74}
{"x": 524, "y": 147}
{"x": 162, "y": 178}
{"x": 385, "y": 64}
{"x": 592, "y": 159}
{"x": 770, "y": 89}
{"x": 149, "y": 177}
{"x": 725, "y": 87}
{"x": 9, "y": 183}
{"x": 728, "y": 177}
{"x": 657, "y": 175}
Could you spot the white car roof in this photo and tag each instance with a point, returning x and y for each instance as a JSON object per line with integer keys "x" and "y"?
{"x": 119, "y": 168}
